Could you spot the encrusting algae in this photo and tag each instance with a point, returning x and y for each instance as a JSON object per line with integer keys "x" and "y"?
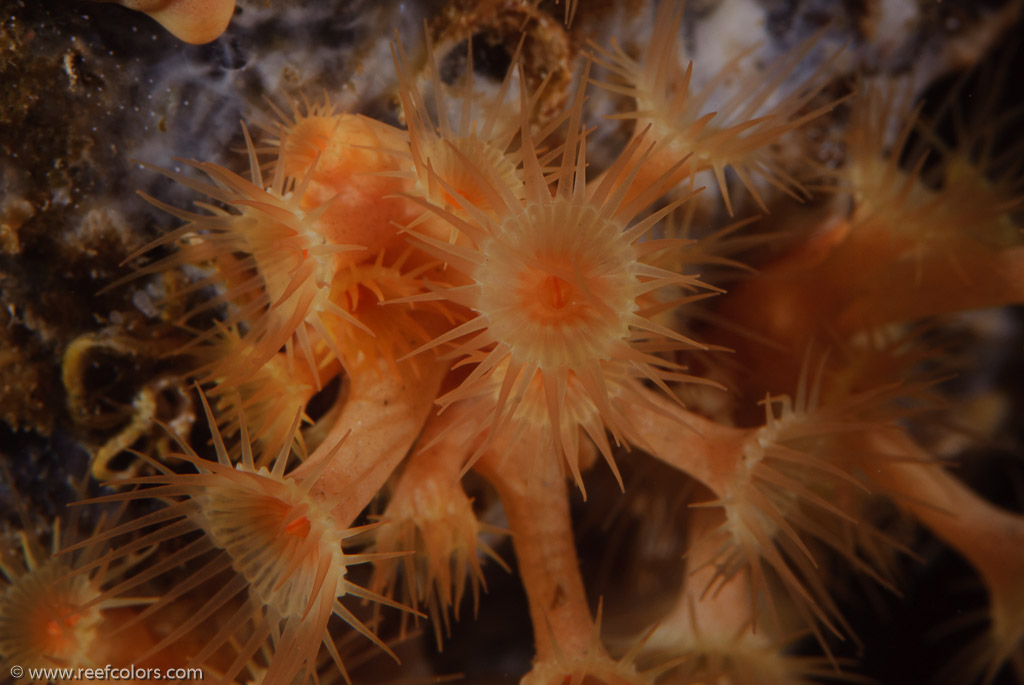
{"x": 412, "y": 344}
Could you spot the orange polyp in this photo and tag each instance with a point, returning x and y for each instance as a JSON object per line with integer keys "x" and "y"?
{"x": 307, "y": 139}
{"x": 350, "y": 162}
{"x": 742, "y": 133}
{"x": 447, "y": 162}
{"x": 281, "y": 543}
{"x": 558, "y": 280}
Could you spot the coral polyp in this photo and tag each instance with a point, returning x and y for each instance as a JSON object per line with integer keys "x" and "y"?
{"x": 276, "y": 262}
{"x": 43, "y": 621}
{"x": 51, "y": 616}
{"x": 739, "y": 130}
{"x": 559, "y": 285}
{"x": 280, "y": 546}
{"x": 464, "y": 125}
{"x": 432, "y": 515}
{"x": 454, "y": 311}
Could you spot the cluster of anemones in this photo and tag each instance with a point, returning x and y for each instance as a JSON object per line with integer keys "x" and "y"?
{"x": 488, "y": 302}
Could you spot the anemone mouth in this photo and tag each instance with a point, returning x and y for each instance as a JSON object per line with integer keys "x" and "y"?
{"x": 558, "y": 285}
{"x": 278, "y": 539}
